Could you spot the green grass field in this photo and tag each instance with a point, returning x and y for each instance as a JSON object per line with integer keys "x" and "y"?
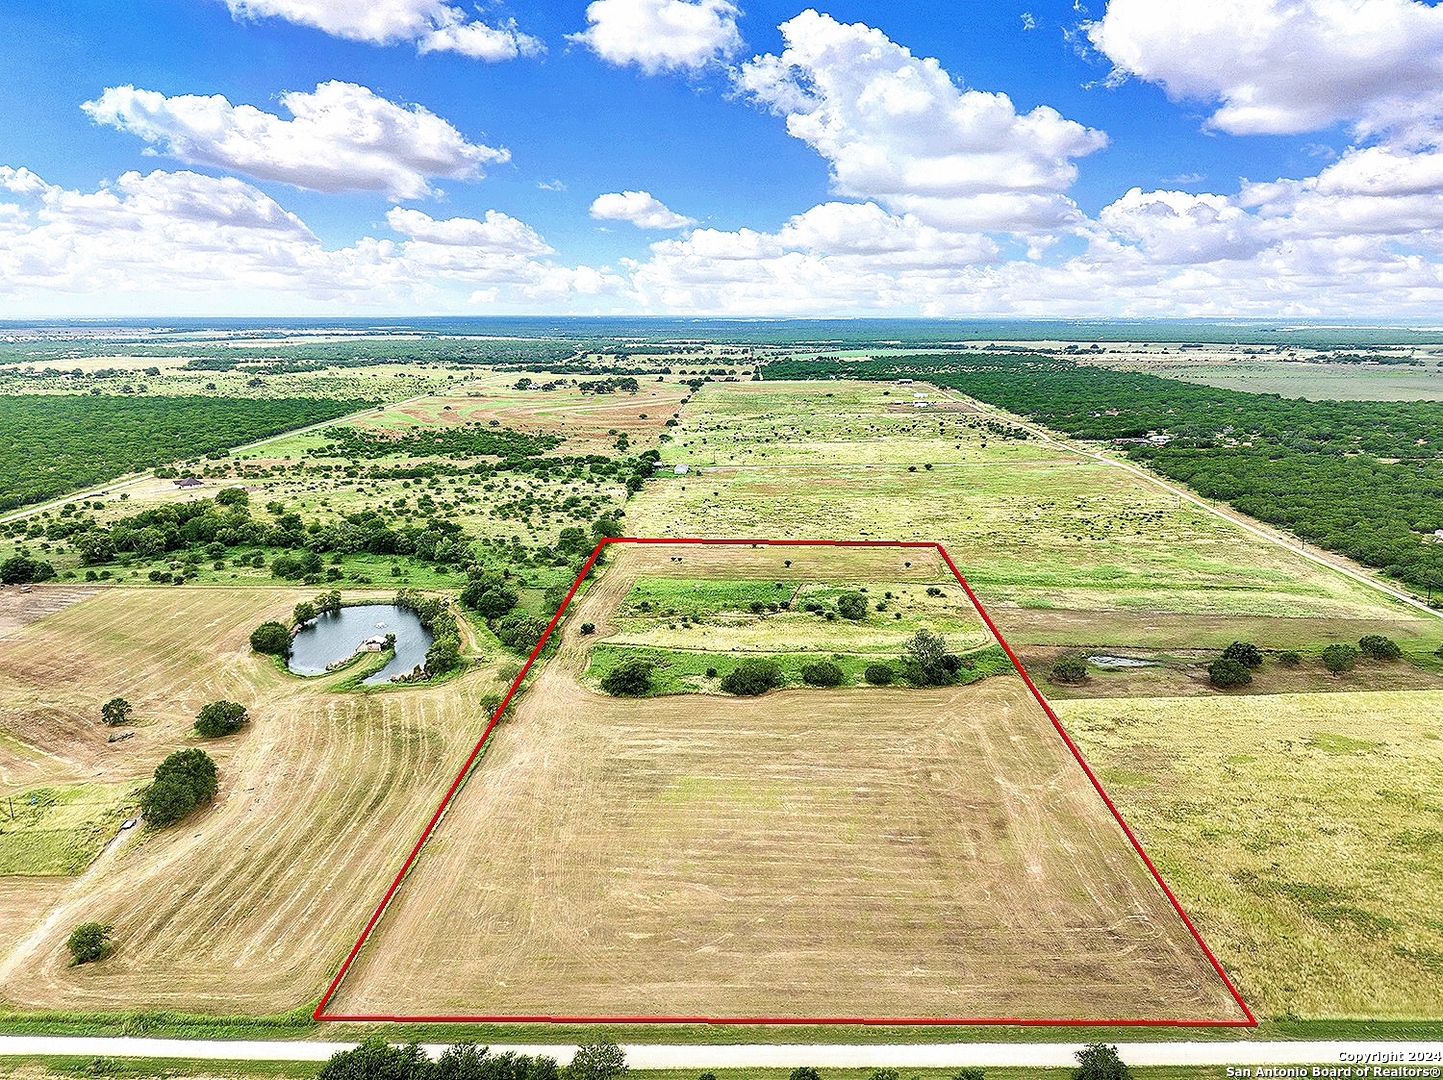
{"x": 59, "y": 830}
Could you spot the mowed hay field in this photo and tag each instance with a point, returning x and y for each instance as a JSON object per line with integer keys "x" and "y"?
{"x": 907, "y": 853}
{"x": 1302, "y": 832}
{"x": 247, "y": 906}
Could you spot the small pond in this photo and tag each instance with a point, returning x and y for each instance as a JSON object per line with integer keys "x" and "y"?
{"x": 333, "y": 637}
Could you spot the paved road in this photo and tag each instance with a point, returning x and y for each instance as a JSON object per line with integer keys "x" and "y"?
{"x": 786, "y": 1056}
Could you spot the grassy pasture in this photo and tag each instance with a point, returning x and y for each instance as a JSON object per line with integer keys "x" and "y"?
{"x": 1303, "y": 833}
{"x": 60, "y": 830}
{"x": 1314, "y": 381}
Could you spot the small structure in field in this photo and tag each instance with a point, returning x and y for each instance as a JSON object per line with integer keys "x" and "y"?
{"x": 187, "y": 482}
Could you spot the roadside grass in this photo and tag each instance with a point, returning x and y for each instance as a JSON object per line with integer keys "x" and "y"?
{"x": 681, "y": 671}
{"x": 1302, "y": 832}
{"x": 59, "y": 830}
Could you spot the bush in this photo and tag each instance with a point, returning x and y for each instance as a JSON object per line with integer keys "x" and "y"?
{"x": 805, "y": 1072}
{"x": 18, "y": 570}
{"x": 1098, "y": 1061}
{"x": 520, "y": 630}
{"x": 1379, "y": 647}
{"x": 1069, "y": 669}
{"x": 443, "y": 655}
{"x": 823, "y": 673}
{"x": 89, "y": 942}
{"x": 1288, "y": 658}
{"x": 1245, "y": 653}
{"x": 927, "y": 661}
{"x": 183, "y": 781}
{"x": 489, "y": 596}
{"x": 1339, "y": 658}
{"x": 631, "y": 679}
{"x": 602, "y": 1060}
{"x": 752, "y": 677}
{"x": 588, "y": 628}
{"x": 219, "y": 718}
{"x": 116, "y": 711}
{"x": 1225, "y": 673}
{"x": 969, "y": 1074}
{"x": 852, "y": 606}
{"x": 377, "y": 1059}
{"x": 271, "y": 638}
{"x": 879, "y": 674}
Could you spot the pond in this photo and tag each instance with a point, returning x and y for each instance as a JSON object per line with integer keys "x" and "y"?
{"x": 335, "y": 636}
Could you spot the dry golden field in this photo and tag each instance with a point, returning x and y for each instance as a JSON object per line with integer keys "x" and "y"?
{"x": 249, "y": 905}
{"x": 809, "y": 853}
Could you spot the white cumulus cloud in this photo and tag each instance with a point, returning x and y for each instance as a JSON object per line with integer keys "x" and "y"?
{"x": 896, "y": 128}
{"x": 1285, "y": 66}
{"x": 433, "y": 25}
{"x": 661, "y": 35}
{"x": 170, "y": 242}
{"x": 343, "y": 137}
{"x": 640, "y": 208}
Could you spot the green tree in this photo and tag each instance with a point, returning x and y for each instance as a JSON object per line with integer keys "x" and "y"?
{"x": 116, "y": 711}
{"x": 752, "y": 677}
{"x": 304, "y": 612}
{"x": 823, "y": 673}
{"x": 804, "y": 1072}
{"x": 1226, "y": 673}
{"x": 271, "y": 638}
{"x": 927, "y": 661}
{"x": 1379, "y": 647}
{"x": 88, "y": 942}
{"x": 220, "y": 718}
{"x": 443, "y": 655}
{"x": 969, "y": 1074}
{"x": 488, "y": 595}
{"x": 182, "y": 782}
{"x": 377, "y": 1059}
{"x": 1070, "y": 668}
{"x": 879, "y": 674}
{"x": 1098, "y": 1061}
{"x": 630, "y": 679}
{"x": 1245, "y": 653}
{"x": 852, "y": 605}
{"x": 232, "y": 496}
{"x": 19, "y": 570}
{"x": 602, "y": 1060}
{"x": 1339, "y": 658}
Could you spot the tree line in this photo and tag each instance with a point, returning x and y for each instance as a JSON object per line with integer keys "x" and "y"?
{"x": 1361, "y": 478}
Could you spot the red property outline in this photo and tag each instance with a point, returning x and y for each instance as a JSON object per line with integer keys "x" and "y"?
{"x": 320, "y": 1011}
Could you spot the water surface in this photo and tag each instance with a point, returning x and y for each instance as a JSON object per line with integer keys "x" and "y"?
{"x": 335, "y": 635}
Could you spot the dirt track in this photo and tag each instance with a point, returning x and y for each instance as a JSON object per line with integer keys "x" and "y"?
{"x": 809, "y": 853}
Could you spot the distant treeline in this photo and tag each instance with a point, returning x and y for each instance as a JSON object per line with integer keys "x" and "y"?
{"x": 53, "y": 444}
{"x": 1362, "y": 478}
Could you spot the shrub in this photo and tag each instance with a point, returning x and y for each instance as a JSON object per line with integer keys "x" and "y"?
{"x": 271, "y": 638}
{"x": 489, "y": 596}
{"x": 823, "y": 673}
{"x": 218, "y": 718}
{"x": 631, "y": 679}
{"x": 1098, "y": 1061}
{"x": 602, "y": 1060}
{"x": 969, "y": 1074}
{"x": 1339, "y": 658}
{"x": 752, "y": 677}
{"x": 377, "y": 1059}
{"x": 711, "y": 673}
{"x": 1071, "y": 668}
{"x": 852, "y": 606}
{"x": 1245, "y": 653}
{"x": 588, "y": 628}
{"x": 89, "y": 942}
{"x": 183, "y": 781}
{"x": 443, "y": 655}
{"x": 885, "y": 1074}
{"x": 879, "y": 674}
{"x": 1225, "y": 673}
{"x": 1288, "y": 658}
{"x": 116, "y": 711}
{"x": 805, "y": 1072}
{"x": 19, "y": 570}
{"x": 1379, "y": 647}
{"x": 927, "y": 661}
{"x": 520, "y": 630}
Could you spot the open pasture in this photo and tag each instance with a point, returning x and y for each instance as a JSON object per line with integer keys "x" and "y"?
{"x": 247, "y": 905}
{"x": 925, "y": 853}
{"x": 1302, "y": 832}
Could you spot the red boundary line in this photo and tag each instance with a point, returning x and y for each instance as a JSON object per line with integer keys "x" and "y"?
{"x": 320, "y": 1011}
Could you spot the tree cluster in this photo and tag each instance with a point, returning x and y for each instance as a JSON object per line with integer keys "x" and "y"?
{"x": 217, "y": 719}
{"x": 183, "y": 781}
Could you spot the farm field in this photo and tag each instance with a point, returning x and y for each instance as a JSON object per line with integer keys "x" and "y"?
{"x": 1301, "y": 831}
{"x": 1315, "y": 380}
{"x": 247, "y": 905}
{"x": 879, "y": 852}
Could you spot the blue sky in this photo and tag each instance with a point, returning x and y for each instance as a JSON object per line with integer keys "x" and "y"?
{"x": 852, "y": 158}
